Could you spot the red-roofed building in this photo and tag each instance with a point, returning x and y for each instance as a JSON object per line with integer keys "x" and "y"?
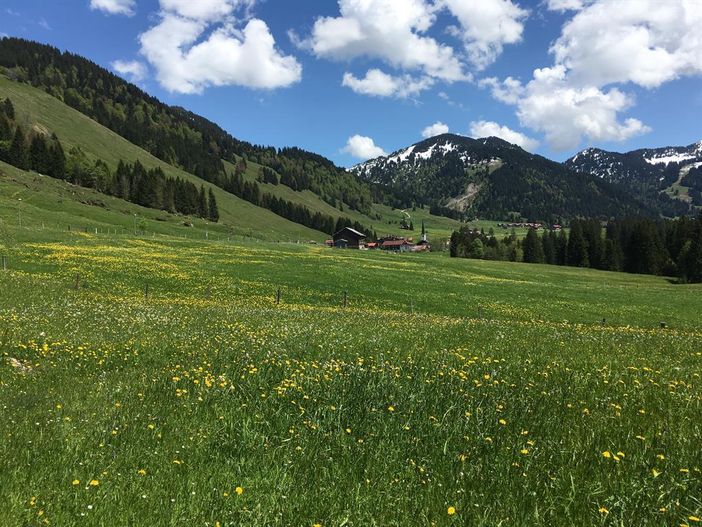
{"x": 401, "y": 245}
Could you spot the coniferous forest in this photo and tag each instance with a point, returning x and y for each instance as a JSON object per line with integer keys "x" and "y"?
{"x": 131, "y": 182}
{"x": 632, "y": 245}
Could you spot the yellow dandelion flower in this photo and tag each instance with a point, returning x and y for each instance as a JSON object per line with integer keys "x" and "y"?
{"x": 75, "y": 482}
{"x": 391, "y": 408}
{"x": 524, "y": 451}
{"x": 684, "y": 470}
{"x": 317, "y": 525}
{"x": 661, "y": 457}
{"x": 94, "y": 482}
{"x": 502, "y": 422}
{"x": 695, "y": 519}
{"x": 239, "y": 490}
{"x": 604, "y": 510}
{"x": 655, "y": 473}
{"x": 451, "y": 511}
{"x": 141, "y": 472}
{"x": 607, "y": 454}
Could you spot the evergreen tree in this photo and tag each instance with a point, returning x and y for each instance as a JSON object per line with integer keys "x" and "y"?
{"x": 577, "y": 246}
{"x": 562, "y": 248}
{"x": 39, "y": 155}
{"x": 214, "y": 211}
{"x": 202, "y": 208}
{"x": 548, "y": 241}
{"x": 8, "y": 109}
{"x": 613, "y": 256}
{"x": 533, "y": 248}
{"x": 5, "y": 128}
{"x": 57, "y": 160}
{"x": 18, "y": 154}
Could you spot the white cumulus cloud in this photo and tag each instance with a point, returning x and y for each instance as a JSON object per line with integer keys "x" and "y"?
{"x": 209, "y": 10}
{"x": 390, "y": 30}
{"x": 493, "y": 129}
{"x": 507, "y": 91}
{"x": 114, "y": 7}
{"x": 362, "y": 147}
{"x": 486, "y": 26}
{"x": 646, "y": 42}
{"x": 435, "y": 129}
{"x": 604, "y": 47}
{"x": 565, "y": 5}
{"x": 134, "y": 70}
{"x": 197, "y": 44}
{"x": 380, "y": 84}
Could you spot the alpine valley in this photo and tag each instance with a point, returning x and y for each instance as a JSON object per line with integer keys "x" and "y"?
{"x": 119, "y": 142}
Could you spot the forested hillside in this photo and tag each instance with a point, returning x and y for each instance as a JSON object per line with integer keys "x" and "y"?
{"x": 491, "y": 178}
{"x": 172, "y": 134}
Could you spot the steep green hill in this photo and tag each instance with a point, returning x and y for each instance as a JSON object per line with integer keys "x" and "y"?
{"x": 39, "y": 110}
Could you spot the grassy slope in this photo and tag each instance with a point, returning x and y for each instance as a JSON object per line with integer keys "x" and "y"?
{"x": 47, "y": 207}
{"x": 361, "y": 416}
{"x": 383, "y": 219}
{"x": 74, "y": 129}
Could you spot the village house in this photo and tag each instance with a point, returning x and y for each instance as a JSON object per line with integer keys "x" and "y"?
{"x": 398, "y": 245}
{"x": 348, "y": 238}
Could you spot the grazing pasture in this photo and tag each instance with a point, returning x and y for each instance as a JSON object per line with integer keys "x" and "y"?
{"x": 158, "y": 382}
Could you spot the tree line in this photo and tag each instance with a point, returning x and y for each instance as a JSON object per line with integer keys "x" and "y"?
{"x": 632, "y": 245}
{"x": 251, "y": 192}
{"x": 131, "y": 182}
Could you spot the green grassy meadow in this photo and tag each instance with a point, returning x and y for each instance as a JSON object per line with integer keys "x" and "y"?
{"x": 447, "y": 392}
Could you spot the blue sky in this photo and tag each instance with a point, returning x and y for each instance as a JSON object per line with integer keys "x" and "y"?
{"x": 351, "y": 79}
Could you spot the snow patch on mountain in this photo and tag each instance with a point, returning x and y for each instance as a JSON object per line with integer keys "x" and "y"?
{"x": 672, "y": 158}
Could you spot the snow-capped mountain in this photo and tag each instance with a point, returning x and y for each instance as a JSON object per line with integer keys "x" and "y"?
{"x": 650, "y": 173}
{"x": 490, "y": 177}
{"x": 644, "y": 164}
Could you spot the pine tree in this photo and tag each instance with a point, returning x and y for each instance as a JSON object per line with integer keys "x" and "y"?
{"x": 19, "y": 152}
{"x": 202, "y": 208}
{"x": 533, "y": 248}
{"x": 562, "y": 248}
{"x": 8, "y": 109}
{"x": 5, "y": 128}
{"x": 214, "y": 211}
{"x": 577, "y": 246}
{"x": 39, "y": 154}
{"x": 57, "y": 161}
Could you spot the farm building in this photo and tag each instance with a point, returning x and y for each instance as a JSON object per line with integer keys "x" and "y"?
{"x": 400, "y": 245}
{"x": 348, "y": 238}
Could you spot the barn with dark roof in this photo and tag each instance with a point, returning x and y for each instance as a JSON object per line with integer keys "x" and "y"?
{"x": 348, "y": 238}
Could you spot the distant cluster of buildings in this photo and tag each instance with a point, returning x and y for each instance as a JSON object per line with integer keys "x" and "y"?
{"x": 348, "y": 238}
{"x": 524, "y": 225}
